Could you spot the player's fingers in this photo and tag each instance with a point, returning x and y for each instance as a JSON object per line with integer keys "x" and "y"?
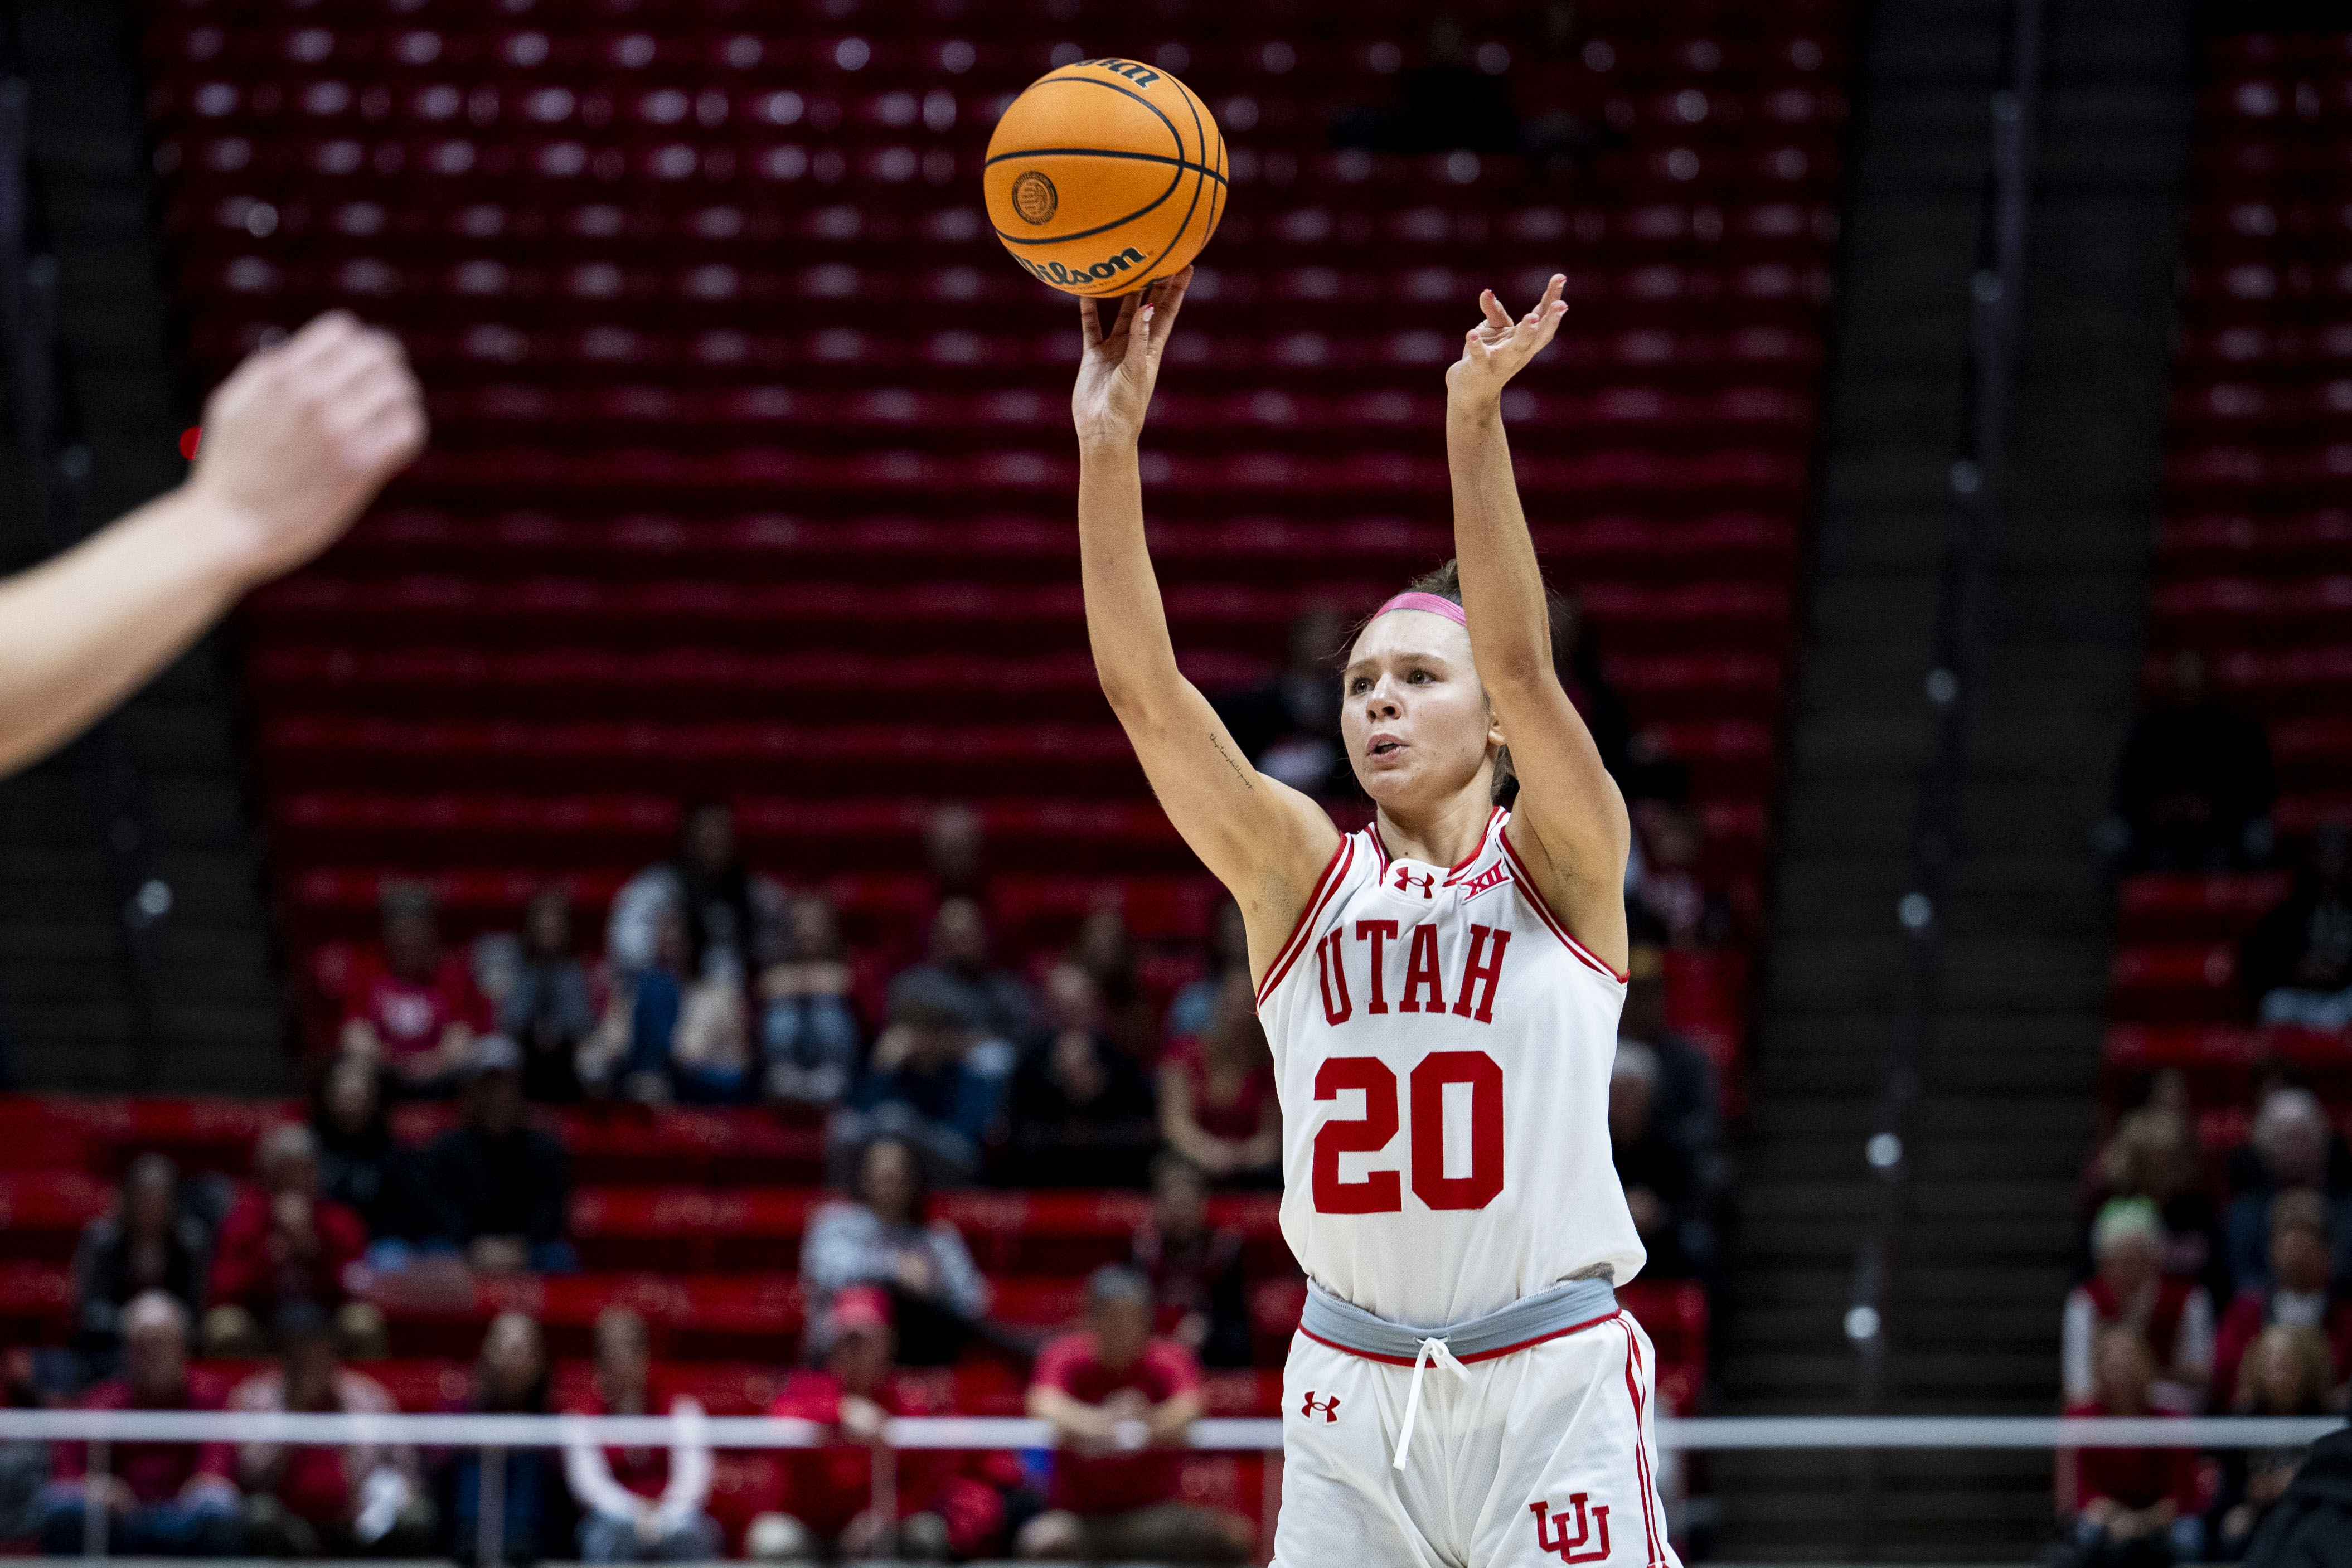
{"x": 1127, "y": 309}
{"x": 322, "y": 338}
{"x": 359, "y": 358}
{"x": 1139, "y": 350}
{"x": 1496, "y": 317}
{"x": 1552, "y": 292}
{"x": 1089, "y": 322}
{"x": 1165, "y": 308}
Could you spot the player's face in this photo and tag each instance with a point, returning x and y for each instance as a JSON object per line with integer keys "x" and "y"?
{"x": 1414, "y": 716}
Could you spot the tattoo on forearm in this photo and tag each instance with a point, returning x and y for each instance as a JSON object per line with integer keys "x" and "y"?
{"x": 1240, "y": 772}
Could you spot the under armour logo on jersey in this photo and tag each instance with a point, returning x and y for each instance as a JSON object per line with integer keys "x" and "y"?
{"x": 1326, "y": 1408}
{"x": 1407, "y": 879}
{"x": 1571, "y": 1548}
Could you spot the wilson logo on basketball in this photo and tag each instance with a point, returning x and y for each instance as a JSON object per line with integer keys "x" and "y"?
{"x": 1571, "y": 1548}
{"x": 1053, "y": 272}
{"x": 1033, "y": 197}
{"x": 1141, "y": 76}
{"x": 1326, "y": 1408}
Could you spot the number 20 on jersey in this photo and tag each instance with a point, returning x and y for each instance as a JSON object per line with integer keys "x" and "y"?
{"x": 1381, "y": 1192}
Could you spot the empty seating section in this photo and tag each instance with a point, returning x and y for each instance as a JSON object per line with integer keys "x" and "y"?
{"x": 2253, "y": 565}
{"x": 750, "y": 475}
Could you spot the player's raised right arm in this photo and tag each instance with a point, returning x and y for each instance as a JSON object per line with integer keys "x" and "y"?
{"x": 1264, "y": 841}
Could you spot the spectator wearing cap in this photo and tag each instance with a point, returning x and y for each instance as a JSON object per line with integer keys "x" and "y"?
{"x": 935, "y": 1079}
{"x": 1081, "y": 1109}
{"x": 411, "y": 1006}
{"x": 884, "y": 1237}
{"x": 1199, "y": 1291}
{"x": 2154, "y": 1155}
{"x": 511, "y": 1379}
{"x": 282, "y": 1243}
{"x": 2129, "y": 1291}
{"x": 145, "y": 1243}
{"x": 2298, "y": 1293}
{"x": 2294, "y": 1148}
{"x": 640, "y": 1504}
{"x": 494, "y": 1187}
{"x": 950, "y": 1506}
{"x": 734, "y": 917}
{"x": 809, "y": 1037}
{"x": 366, "y": 1499}
{"x": 2289, "y": 1372}
{"x": 2296, "y": 964}
{"x": 1657, "y": 1173}
{"x": 678, "y": 1030}
{"x": 2127, "y": 1508}
{"x": 993, "y": 1000}
{"x": 162, "y": 1499}
{"x": 1121, "y": 1403}
{"x": 1217, "y": 1102}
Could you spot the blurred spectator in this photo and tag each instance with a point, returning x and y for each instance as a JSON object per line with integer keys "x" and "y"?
{"x": 955, "y": 850}
{"x": 1228, "y": 954}
{"x": 949, "y": 1505}
{"x": 808, "y": 1035}
{"x": 1576, "y": 660}
{"x": 679, "y": 1030}
{"x": 2296, "y": 964}
{"x": 2297, "y": 1294}
{"x": 1121, "y": 1403}
{"x": 934, "y": 1078}
{"x": 2154, "y": 1155}
{"x": 280, "y": 1243}
{"x": 2289, "y": 1372}
{"x": 162, "y": 1499}
{"x": 1081, "y": 1109}
{"x": 2127, "y": 1508}
{"x": 1447, "y": 105}
{"x": 2173, "y": 1316}
{"x": 1103, "y": 950}
{"x": 1687, "y": 1102}
{"x": 361, "y": 1165}
{"x": 2193, "y": 790}
{"x": 146, "y": 1242}
{"x": 511, "y": 1379}
{"x": 413, "y": 1007}
{"x": 2294, "y": 1148}
{"x": 1288, "y": 725}
{"x": 494, "y": 1189}
{"x": 1667, "y": 903}
{"x": 883, "y": 1237}
{"x": 302, "y": 1499}
{"x": 1660, "y": 1181}
{"x": 640, "y": 1505}
{"x": 993, "y": 1000}
{"x": 734, "y": 918}
{"x": 1217, "y": 1104}
{"x": 1198, "y": 1290}
{"x": 547, "y": 1005}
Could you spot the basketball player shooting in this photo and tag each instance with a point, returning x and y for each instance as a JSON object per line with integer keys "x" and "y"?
{"x": 1441, "y": 992}
{"x": 296, "y": 442}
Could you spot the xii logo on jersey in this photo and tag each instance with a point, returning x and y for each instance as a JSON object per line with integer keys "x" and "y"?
{"x": 1326, "y": 1408}
{"x": 1552, "y": 1535}
{"x": 1486, "y": 881}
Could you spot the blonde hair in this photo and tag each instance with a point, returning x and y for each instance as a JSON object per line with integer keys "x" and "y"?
{"x": 2314, "y": 1360}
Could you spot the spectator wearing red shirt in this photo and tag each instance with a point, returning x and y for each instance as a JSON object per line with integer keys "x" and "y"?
{"x": 2127, "y": 1508}
{"x": 1121, "y": 1403}
{"x": 365, "y": 1499}
{"x": 413, "y": 1008}
{"x": 1217, "y": 1105}
{"x": 162, "y": 1499}
{"x": 2130, "y": 1290}
{"x": 640, "y": 1505}
{"x": 282, "y": 1243}
{"x": 949, "y": 1505}
{"x": 2299, "y": 1294}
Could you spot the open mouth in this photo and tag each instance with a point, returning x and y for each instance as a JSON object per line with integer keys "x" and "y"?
{"x": 1385, "y": 748}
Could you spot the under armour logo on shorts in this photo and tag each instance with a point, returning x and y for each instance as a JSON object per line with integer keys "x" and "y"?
{"x": 1327, "y": 1408}
{"x": 1570, "y": 1548}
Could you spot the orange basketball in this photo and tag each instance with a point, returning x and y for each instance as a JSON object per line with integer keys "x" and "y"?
{"x": 1105, "y": 175}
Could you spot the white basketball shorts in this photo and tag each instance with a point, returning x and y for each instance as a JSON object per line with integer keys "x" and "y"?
{"x": 1542, "y": 1455}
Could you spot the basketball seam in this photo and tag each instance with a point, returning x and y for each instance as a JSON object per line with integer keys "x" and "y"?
{"x": 1199, "y": 184}
{"x": 1180, "y": 163}
{"x": 1125, "y": 91}
{"x": 1152, "y": 206}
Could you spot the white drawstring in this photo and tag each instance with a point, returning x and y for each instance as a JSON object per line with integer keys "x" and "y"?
{"x": 1431, "y": 1350}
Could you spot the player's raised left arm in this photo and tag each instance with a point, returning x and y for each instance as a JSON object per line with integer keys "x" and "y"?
{"x": 1569, "y": 823}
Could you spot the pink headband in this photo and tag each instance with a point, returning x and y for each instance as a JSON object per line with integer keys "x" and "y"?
{"x": 1434, "y": 603}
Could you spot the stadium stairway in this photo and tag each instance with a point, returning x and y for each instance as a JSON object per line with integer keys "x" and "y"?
{"x": 63, "y": 1009}
{"x": 1974, "y": 1307}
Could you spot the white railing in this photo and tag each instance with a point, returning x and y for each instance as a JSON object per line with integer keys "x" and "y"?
{"x": 494, "y": 1434}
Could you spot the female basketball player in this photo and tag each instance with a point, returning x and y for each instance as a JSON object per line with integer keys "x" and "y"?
{"x": 1442, "y": 993}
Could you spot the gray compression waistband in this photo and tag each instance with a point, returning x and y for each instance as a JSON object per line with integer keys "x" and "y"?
{"x": 1569, "y": 1305}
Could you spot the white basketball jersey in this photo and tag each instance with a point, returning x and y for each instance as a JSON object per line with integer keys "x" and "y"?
{"x": 1442, "y": 1048}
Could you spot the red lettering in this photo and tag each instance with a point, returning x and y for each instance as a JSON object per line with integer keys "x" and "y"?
{"x": 1429, "y": 1182}
{"x": 1490, "y": 972}
{"x": 1378, "y": 932}
{"x": 1420, "y": 973}
{"x": 1379, "y": 1192}
{"x": 1332, "y": 972}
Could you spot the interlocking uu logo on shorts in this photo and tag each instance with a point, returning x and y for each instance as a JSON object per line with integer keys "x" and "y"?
{"x": 1570, "y": 1548}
